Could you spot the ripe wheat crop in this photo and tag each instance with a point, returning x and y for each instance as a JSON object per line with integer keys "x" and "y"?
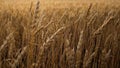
{"x": 60, "y": 35}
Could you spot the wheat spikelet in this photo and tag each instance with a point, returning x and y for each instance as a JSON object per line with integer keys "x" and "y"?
{"x": 108, "y": 54}
{"x": 49, "y": 39}
{"x": 6, "y": 41}
{"x": 70, "y": 57}
{"x": 89, "y": 60}
{"x": 92, "y": 19}
{"x": 107, "y": 39}
{"x": 80, "y": 40}
{"x": 103, "y": 25}
{"x": 19, "y": 57}
{"x": 88, "y": 11}
{"x": 36, "y": 13}
{"x": 62, "y": 16}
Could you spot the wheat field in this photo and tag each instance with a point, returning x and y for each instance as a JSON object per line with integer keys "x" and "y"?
{"x": 60, "y": 34}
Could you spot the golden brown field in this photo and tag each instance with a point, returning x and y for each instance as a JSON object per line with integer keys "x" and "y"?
{"x": 60, "y": 34}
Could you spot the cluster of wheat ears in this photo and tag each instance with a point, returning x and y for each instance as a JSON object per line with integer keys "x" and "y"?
{"x": 73, "y": 37}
